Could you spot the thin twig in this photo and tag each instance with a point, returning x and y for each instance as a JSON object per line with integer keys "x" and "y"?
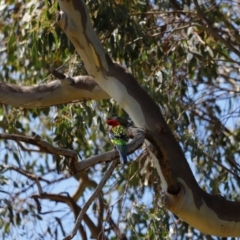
{"x": 221, "y": 165}
{"x": 43, "y": 146}
{"x": 74, "y": 208}
{"x": 91, "y": 199}
{"x": 26, "y": 174}
{"x": 27, "y": 149}
{"x": 212, "y": 31}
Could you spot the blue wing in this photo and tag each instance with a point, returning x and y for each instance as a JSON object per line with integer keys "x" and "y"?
{"x": 122, "y": 149}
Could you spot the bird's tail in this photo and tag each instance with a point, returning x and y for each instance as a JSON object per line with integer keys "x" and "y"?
{"x": 122, "y": 149}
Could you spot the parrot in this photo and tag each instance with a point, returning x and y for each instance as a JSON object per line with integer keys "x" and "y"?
{"x": 119, "y": 137}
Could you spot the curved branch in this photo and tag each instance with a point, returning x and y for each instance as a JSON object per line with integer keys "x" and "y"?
{"x": 69, "y": 89}
{"x": 75, "y": 209}
{"x": 43, "y": 145}
{"x": 123, "y": 87}
{"x": 191, "y": 203}
{"x": 84, "y": 182}
{"x": 167, "y": 172}
{"x": 76, "y": 166}
{"x": 138, "y": 135}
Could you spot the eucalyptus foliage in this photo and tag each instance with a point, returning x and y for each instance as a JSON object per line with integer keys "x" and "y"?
{"x": 186, "y": 56}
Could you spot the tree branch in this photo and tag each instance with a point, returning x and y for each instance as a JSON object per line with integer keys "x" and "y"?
{"x": 212, "y": 31}
{"x": 167, "y": 172}
{"x": 69, "y": 89}
{"x": 191, "y": 203}
{"x": 29, "y": 175}
{"x": 138, "y": 139}
{"x": 95, "y": 231}
{"x": 44, "y": 146}
{"x": 91, "y": 199}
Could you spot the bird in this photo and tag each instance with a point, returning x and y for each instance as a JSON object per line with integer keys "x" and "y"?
{"x": 119, "y": 137}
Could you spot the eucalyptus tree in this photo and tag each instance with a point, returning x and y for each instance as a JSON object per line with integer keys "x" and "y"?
{"x": 172, "y": 68}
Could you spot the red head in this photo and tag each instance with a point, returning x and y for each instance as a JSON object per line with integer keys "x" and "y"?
{"x": 112, "y": 122}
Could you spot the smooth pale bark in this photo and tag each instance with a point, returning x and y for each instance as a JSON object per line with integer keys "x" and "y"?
{"x": 210, "y": 214}
{"x": 53, "y": 93}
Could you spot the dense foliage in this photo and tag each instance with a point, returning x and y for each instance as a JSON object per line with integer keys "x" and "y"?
{"x": 185, "y": 54}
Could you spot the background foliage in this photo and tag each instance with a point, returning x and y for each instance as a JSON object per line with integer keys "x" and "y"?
{"x": 187, "y": 58}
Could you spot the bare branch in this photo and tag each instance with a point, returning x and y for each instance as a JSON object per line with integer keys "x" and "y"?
{"x": 26, "y": 174}
{"x": 84, "y": 182}
{"x": 27, "y": 149}
{"x": 116, "y": 229}
{"x": 43, "y": 145}
{"x": 53, "y": 93}
{"x": 138, "y": 135}
{"x": 74, "y": 207}
{"x": 91, "y": 199}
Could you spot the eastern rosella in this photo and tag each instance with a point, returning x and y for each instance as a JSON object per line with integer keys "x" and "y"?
{"x": 119, "y": 137}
